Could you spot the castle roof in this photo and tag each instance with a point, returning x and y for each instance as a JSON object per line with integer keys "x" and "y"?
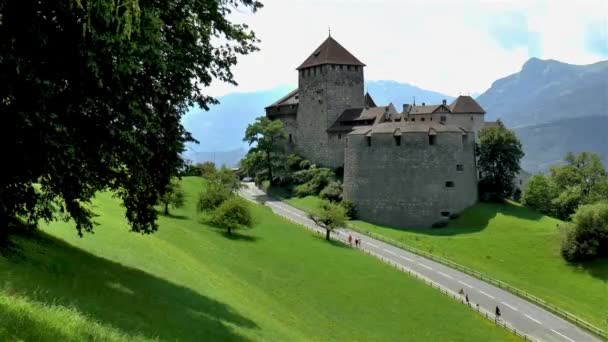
{"x": 369, "y": 102}
{"x": 355, "y": 117}
{"x": 290, "y": 99}
{"x": 330, "y": 52}
{"x": 466, "y": 104}
{"x": 424, "y": 109}
{"x": 408, "y": 127}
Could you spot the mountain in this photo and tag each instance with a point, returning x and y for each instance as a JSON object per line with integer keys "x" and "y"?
{"x": 220, "y": 130}
{"x": 547, "y": 90}
{"x": 547, "y": 144}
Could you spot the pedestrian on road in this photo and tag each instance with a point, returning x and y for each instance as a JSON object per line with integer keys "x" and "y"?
{"x": 466, "y": 296}
{"x": 497, "y": 312}
{"x": 357, "y": 242}
{"x": 350, "y": 239}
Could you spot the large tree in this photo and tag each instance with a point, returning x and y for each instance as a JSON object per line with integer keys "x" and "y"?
{"x": 499, "y": 153}
{"x": 329, "y": 217}
{"x": 174, "y": 196}
{"x": 91, "y": 97}
{"x": 266, "y": 138}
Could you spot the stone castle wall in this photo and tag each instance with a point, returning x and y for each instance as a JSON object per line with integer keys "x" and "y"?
{"x": 324, "y": 93}
{"x": 405, "y": 186}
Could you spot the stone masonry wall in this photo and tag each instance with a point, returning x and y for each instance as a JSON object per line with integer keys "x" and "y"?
{"x": 405, "y": 186}
{"x": 324, "y": 93}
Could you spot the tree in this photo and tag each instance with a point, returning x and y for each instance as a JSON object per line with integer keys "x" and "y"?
{"x": 226, "y": 178}
{"x": 499, "y": 153}
{"x": 330, "y": 216}
{"x": 587, "y": 236}
{"x": 212, "y": 197}
{"x": 539, "y": 194}
{"x": 207, "y": 169}
{"x": 92, "y": 93}
{"x": 268, "y": 137}
{"x": 174, "y": 196}
{"x": 233, "y": 214}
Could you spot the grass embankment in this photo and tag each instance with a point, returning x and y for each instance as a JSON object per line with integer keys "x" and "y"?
{"x": 191, "y": 282}
{"x": 511, "y": 243}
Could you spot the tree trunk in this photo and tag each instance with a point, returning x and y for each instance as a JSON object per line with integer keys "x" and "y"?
{"x": 167, "y": 209}
{"x": 269, "y": 167}
{"x": 327, "y": 234}
{"x": 229, "y": 230}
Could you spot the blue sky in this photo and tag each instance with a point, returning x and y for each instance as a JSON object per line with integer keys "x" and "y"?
{"x": 454, "y": 47}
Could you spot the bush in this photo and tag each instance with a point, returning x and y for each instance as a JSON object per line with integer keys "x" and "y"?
{"x": 304, "y": 190}
{"x": 350, "y": 208}
{"x": 212, "y": 197}
{"x": 539, "y": 194}
{"x": 315, "y": 178}
{"x": 232, "y": 214}
{"x": 332, "y": 192}
{"x": 305, "y": 165}
{"x": 440, "y": 224}
{"x": 294, "y": 162}
{"x": 587, "y": 236}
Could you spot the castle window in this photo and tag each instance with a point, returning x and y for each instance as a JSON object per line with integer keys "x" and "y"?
{"x": 459, "y": 167}
{"x": 442, "y": 119}
{"x": 449, "y": 184}
{"x": 339, "y": 136}
{"x": 398, "y": 140}
{"x": 431, "y": 118}
{"x": 445, "y": 213}
{"x": 369, "y": 141}
{"x": 290, "y": 138}
{"x": 471, "y": 117}
{"x": 348, "y": 68}
{"x": 421, "y": 119}
{"x": 413, "y": 119}
{"x": 341, "y": 66}
{"x": 464, "y": 140}
{"x": 432, "y": 139}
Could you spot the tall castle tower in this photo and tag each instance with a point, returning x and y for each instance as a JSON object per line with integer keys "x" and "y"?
{"x": 329, "y": 82}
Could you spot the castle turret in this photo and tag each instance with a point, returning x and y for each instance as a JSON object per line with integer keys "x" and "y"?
{"x": 330, "y": 81}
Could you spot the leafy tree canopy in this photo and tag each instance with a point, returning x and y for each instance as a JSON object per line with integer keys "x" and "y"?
{"x": 330, "y": 216}
{"x": 499, "y": 153}
{"x": 91, "y": 97}
{"x": 174, "y": 196}
{"x": 266, "y": 138}
{"x": 232, "y": 214}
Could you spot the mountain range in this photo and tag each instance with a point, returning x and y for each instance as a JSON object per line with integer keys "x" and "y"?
{"x": 553, "y": 107}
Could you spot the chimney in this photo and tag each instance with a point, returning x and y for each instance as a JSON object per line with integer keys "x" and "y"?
{"x": 444, "y": 102}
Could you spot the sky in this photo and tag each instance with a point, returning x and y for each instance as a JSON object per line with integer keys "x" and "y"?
{"x": 450, "y": 46}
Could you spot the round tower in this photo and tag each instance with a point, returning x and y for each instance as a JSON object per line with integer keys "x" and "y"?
{"x": 329, "y": 81}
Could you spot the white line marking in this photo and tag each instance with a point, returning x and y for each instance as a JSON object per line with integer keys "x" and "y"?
{"x": 425, "y": 266}
{"x": 532, "y": 318}
{"x": 562, "y": 335}
{"x": 371, "y": 244}
{"x": 485, "y": 294}
{"x": 406, "y": 258}
{"x": 445, "y": 275}
{"x": 387, "y": 251}
{"x": 511, "y": 307}
{"x": 465, "y": 284}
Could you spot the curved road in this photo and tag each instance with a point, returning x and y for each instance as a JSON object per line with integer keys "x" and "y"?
{"x": 527, "y": 318}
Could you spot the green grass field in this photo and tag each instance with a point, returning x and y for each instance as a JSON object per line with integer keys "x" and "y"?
{"x": 276, "y": 282}
{"x": 510, "y": 243}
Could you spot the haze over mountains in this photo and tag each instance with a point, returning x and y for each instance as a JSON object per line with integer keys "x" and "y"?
{"x": 554, "y": 108}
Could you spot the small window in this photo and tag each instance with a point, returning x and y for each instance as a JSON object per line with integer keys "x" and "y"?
{"x": 471, "y": 117}
{"x": 449, "y": 184}
{"x": 348, "y": 68}
{"x": 431, "y": 118}
{"x": 413, "y": 119}
{"x": 421, "y": 119}
{"x": 369, "y": 141}
{"x": 341, "y": 66}
{"x": 442, "y": 119}
{"x": 464, "y": 140}
{"x": 398, "y": 140}
{"x": 339, "y": 136}
{"x": 432, "y": 139}
{"x": 290, "y": 138}
{"x": 459, "y": 167}
{"x": 445, "y": 213}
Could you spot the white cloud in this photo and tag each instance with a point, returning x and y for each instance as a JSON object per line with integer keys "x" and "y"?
{"x": 438, "y": 45}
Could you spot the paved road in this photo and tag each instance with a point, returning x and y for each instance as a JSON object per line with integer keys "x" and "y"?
{"x": 518, "y": 313}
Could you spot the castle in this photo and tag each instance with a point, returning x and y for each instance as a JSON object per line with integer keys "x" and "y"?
{"x": 412, "y": 168}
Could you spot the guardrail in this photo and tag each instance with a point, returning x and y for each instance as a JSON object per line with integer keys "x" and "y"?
{"x": 540, "y": 302}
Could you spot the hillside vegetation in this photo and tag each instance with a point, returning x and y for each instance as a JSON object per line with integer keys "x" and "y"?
{"x": 188, "y": 281}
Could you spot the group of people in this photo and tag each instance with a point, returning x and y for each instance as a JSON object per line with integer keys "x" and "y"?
{"x": 466, "y": 297}
{"x": 357, "y": 241}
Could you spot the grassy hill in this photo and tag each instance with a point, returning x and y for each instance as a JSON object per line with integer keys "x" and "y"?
{"x": 191, "y": 282}
{"x": 510, "y": 243}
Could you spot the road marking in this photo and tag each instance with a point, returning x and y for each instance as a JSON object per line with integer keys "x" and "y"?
{"x": 485, "y": 294}
{"x": 387, "y": 251}
{"x": 371, "y": 244}
{"x": 445, "y": 275}
{"x": 465, "y": 284}
{"x": 562, "y": 335}
{"x": 406, "y": 258}
{"x": 425, "y": 266}
{"x": 532, "y": 318}
{"x": 511, "y": 307}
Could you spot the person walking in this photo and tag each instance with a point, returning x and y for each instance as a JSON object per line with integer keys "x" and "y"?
{"x": 350, "y": 239}
{"x": 466, "y": 297}
{"x": 497, "y": 312}
{"x": 357, "y": 242}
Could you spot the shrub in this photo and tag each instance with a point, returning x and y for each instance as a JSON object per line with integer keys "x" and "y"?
{"x": 539, "y": 193}
{"x": 304, "y": 190}
{"x": 332, "y": 192}
{"x": 305, "y": 165}
{"x": 350, "y": 208}
{"x": 213, "y": 197}
{"x": 587, "y": 236}
{"x": 232, "y": 214}
{"x": 294, "y": 162}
